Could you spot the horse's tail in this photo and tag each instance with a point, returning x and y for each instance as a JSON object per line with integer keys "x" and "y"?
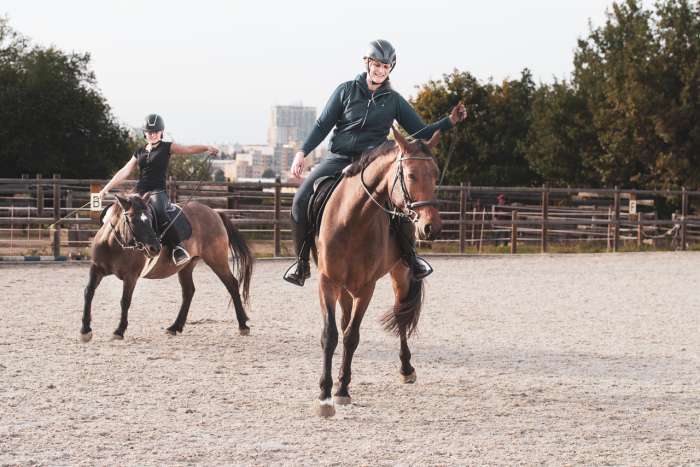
{"x": 403, "y": 316}
{"x": 242, "y": 257}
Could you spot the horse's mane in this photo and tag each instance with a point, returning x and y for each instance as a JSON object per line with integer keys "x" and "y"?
{"x": 138, "y": 201}
{"x": 383, "y": 149}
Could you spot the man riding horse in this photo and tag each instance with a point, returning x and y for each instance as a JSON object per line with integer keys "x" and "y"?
{"x": 362, "y": 112}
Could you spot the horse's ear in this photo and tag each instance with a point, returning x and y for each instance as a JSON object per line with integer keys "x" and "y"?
{"x": 400, "y": 140}
{"x": 123, "y": 201}
{"x": 434, "y": 140}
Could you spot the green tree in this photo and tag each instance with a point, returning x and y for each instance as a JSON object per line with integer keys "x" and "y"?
{"x": 190, "y": 167}
{"x": 489, "y": 146}
{"x": 53, "y": 118}
{"x": 640, "y": 77}
{"x": 562, "y": 144}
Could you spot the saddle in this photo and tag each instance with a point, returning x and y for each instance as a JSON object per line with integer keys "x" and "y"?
{"x": 180, "y": 222}
{"x": 323, "y": 188}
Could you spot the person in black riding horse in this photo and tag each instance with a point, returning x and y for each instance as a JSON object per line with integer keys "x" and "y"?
{"x": 152, "y": 160}
{"x": 362, "y": 112}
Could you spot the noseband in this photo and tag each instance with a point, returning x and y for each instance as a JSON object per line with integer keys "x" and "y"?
{"x": 408, "y": 210}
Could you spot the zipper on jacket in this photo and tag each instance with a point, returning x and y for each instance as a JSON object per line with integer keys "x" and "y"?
{"x": 372, "y": 98}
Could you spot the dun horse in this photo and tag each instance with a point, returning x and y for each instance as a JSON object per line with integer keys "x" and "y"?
{"x": 355, "y": 247}
{"x": 127, "y": 238}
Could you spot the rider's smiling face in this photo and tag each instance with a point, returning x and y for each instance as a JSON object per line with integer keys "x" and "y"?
{"x": 378, "y": 71}
{"x": 153, "y": 136}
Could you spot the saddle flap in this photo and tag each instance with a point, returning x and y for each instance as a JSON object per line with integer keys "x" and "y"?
{"x": 179, "y": 221}
{"x": 323, "y": 188}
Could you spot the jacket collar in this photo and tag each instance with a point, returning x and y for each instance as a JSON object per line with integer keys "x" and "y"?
{"x": 362, "y": 81}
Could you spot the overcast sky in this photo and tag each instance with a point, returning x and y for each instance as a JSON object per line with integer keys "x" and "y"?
{"x": 213, "y": 69}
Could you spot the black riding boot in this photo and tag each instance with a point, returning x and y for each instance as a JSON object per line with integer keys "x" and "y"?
{"x": 180, "y": 255}
{"x": 407, "y": 244}
{"x": 301, "y": 270}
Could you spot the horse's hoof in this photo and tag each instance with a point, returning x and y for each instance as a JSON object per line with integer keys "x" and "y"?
{"x": 87, "y": 337}
{"x": 117, "y": 337}
{"x": 342, "y": 400}
{"x": 244, "y": 331}
{"x": 409, "y": 379}
{"x": 324, "y": 408}
{"x": 171, "y": 332}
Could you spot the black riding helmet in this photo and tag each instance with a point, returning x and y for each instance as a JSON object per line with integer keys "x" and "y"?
{"x": 154, "y": 122}
{"x": 382, "y": 51}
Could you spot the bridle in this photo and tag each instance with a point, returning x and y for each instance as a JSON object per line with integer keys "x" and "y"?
{"x": 408, "y": 209}
{"x": 133, "y": 244}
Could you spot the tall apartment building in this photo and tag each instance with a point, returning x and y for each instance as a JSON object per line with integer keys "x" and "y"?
{"x": 290, "y": 124}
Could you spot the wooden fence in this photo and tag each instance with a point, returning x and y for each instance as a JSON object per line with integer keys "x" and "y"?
{"x": 475, "y": 219}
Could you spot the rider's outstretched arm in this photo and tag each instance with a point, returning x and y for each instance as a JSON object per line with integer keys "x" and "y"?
{"x": 121, "y": 175}
{"x": 193, "y": 149}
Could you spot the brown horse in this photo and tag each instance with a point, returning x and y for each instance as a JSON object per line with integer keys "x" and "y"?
{"x": 126, "y": 241}
{"x": 355, "y": 247}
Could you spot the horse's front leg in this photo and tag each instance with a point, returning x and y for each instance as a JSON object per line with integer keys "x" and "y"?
{"x": 96, "y": 275}
{"x": 187, "y": 285}
{"x": 128, "y": 284}
{"x": 351, "y": 339}
{"x": 329, "y": 340}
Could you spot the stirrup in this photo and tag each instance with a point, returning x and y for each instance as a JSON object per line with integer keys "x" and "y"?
{"x": 421, "y": 268}
{"x": 180, "y": 255}
{"x": 298, "y": 273}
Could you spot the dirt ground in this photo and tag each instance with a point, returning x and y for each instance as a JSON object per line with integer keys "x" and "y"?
{"x": 571, "y": 359}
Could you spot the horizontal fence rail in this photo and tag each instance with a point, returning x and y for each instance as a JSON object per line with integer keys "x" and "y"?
{"x": 42, "y": 215}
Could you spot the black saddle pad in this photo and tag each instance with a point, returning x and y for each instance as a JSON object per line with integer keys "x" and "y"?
{"x": 179, "y": 220}
{"x": 323, "y": 188}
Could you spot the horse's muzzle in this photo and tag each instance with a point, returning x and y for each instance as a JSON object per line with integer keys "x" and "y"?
{"x": 152, "y": 250}
{"x": 429, "y": 227}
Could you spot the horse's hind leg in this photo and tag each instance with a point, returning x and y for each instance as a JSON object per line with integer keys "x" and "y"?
{"x": 96, "y": 275}
{"x": 128, "y": 284}
{"x": 329, "y": 340}
{"x": 222, "y": 270}
{"x": 187, "y": 286}
{"x": 351, "y": 339}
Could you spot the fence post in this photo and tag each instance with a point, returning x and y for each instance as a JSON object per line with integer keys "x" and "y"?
{"x": 39, "y": 196}
{"x": 277, "y": 233}
{"x": 56, "y": 215}
{"x": 514, "y": 233}
{"x": 462, "y": 207}
{"x": 481, "y": 235}
{"x": 545, "y": 217}
{"x": 616, "y": 220}
{"x": 639, "y": 230}
{"x": 684, "y": 215}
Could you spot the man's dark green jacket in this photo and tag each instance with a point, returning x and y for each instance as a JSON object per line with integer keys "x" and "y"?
{"x": 362, "y": 119}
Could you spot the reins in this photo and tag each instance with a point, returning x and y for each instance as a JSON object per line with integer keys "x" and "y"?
{"x": 406, "y": 211}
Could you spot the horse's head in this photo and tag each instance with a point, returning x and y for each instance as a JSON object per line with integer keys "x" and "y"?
{"x": 417, "y": 176}
{"x": 139, "y": 224}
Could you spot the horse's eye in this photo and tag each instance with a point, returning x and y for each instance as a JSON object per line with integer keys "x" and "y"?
{"x": 412, "y": 177}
